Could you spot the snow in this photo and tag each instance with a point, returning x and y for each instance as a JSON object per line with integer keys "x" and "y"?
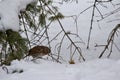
{"x": 9, "y": 11}
{"x": 100, "y": 69}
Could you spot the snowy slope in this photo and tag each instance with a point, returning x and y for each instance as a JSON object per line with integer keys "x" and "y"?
{"x": 102, "y": 69}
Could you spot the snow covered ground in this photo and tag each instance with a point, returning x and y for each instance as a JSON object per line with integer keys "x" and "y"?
{"x": 100, "y": 69}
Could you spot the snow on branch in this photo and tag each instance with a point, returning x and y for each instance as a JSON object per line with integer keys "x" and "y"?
{"x": 9, "y": 11}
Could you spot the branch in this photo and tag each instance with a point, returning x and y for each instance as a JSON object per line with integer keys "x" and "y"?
{"x": 91, "y": 24}
{"x": 67, "y": 34}
{"x": 110, "y": 41}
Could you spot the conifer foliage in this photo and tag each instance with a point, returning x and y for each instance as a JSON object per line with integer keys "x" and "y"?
{"x": 13, "y": 46}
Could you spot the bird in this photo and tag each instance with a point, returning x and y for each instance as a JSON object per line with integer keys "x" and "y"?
{"x": 38, "y": 51}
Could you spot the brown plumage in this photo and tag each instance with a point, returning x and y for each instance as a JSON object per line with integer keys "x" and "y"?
{"x": 39, "y": 51}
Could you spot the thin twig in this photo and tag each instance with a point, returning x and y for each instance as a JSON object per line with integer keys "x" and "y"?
{"x": 91, "y": 24}
{"x": 110, "y": 40}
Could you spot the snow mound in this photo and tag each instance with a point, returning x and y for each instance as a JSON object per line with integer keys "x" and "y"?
{"x": 100, "y": 69}
{"x": 9, "y": 11}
